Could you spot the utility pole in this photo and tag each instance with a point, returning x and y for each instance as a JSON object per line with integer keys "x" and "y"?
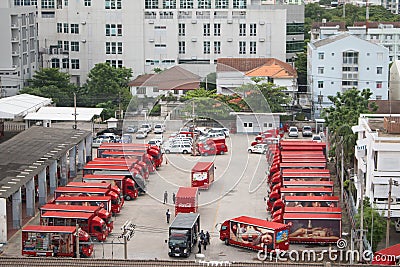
{"x": 77, "y": 242}
{"x": 362, "y": 214}
{"x": 388, "y": 212}
{"x": 341, "y": 172}
{"x": 75, "y": 124}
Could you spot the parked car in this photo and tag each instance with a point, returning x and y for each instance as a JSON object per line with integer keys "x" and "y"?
{"x": 141, "y": 134}
{"x": 154, "y": 142}
{"x": 293, "y": 131}
{"x": 178, "y": 148}
{"x": 159, "y": 128}
{"x": 216, "y": 134}
{"x": 146, "y": 127}
{"x": 225, "y": 131}
{"x": 307, "y": 131}
{"x": 259, "y": 148}
{"x": 126, "y": 138}
{"x": 132, "y": 129}
{"x": 114, "y": 131}
{"x": 159, "y": 137}
{"x": 316, "y": 138}
{"x": 98, "y": 141}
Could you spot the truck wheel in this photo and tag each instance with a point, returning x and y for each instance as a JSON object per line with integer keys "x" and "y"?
{"x": 128, "y": 197}
{"x": 222, "y": 152}
{"x": 265, "y": 152}
{"x": 250, "y": 151}
{"x": 205, "y": 154}
{"x": 184, "y": 152}
{"x": 167, "y": 151}
{"x": 227, "y": 241}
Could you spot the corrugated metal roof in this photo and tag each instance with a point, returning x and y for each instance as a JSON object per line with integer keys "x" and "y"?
{"x": 332, "y": 39}
{"x": 20, "y": 105}
{"x": 64, "y": 114}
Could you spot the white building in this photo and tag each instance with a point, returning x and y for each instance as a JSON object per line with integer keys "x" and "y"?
{"x": 18, "y": 46}
{"x": 394, "y": 81}
{"x": 342, "y": 62}
{"x": 378, "y": 159}
{"x": 145, "y": 34}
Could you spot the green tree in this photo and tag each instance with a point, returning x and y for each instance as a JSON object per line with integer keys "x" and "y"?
{"x": 210, "y": 82}
{"x": 51, "y": 83}
{"x": 301, "y": 68}
{"x": 374, "y": 223}
{"x": 199, "y": 93}
{"x": 108, "y": 86}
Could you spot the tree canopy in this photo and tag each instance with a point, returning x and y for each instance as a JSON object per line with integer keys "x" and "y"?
{"x": 52, "y": 83}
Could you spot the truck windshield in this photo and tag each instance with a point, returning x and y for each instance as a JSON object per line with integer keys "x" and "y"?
{"x": 180, "y": 242}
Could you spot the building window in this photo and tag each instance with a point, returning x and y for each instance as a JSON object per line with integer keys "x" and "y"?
{"x": 160, "y": 45}
{"x": 206, "y": 47}
{"x": 75, "y": 28}
{"x": 48, "y": 3}
{"x": 115, "y": 63}
{"x": 113, "y": 48}
{"x": 378, "y": 85}
{"x": 181, "y": 29}
{"x": 74, "y": 46}
{"x": 204, "y": 4}
{"x": 55, "y": 63}
{"x": 242, "y": 48}
{"x": 75, "y": 64}
{"x": 320, "y": 70}
{"x": 253, "y": 48}
{"x": 150, "y": 4}
{"x": 239, "y": 4}
{"x": 350, "y": 57}
{"x": 182, "y": 47}
{"x": 59, "y": 44}
{"x": 217, "y": 47}
{"x": 242, "y": 29}
{"x": 113, "y": 29}
{"x": 65, "y": 2}
{"x": 217, "y": 29}
{"x": 248, "y": 124}
{"x": 114, "y": 4}
{"x": 65, "y": 63}
{"x": 379, "y": 70}
{"x": 222, "y": 4}
{"x": 186, "y": 4}
{"x": 321, "y": 55}
{"x": 253, "y": 29}
{"x": 88, "y": 2}
{"x": 141, "y": 90}
{"x": 66, "y": 45}
{"x": 378, "y": 97}
{"x": 66, "y": 28}
{"x": 206, "y": 29}
{"x": 320, "y": 84}
{"x": 59, "y": 28}
{"x": 176, "y": 92}
{"x": 169, "y": 4}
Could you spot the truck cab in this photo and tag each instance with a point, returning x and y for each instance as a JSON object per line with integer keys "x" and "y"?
{"x": 183, "y": 234}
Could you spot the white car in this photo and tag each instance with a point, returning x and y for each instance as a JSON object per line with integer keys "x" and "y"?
{"x": 146, "y": 127}
{"x": 155, "y": 142}
{"x": 215, "y": 135}
{"x": 225, "y": 131}
{"x": 141, "y": 134}
{"x": 159, "y": 128}
{"x": 259, "y": 148}
{"x": 178, "y": 148}
{"x": 293, "y": 131}
{"x": 316, "y": 138}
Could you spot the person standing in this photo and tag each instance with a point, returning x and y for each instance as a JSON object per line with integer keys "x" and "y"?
{"x": 199, "y": 246}
{"x": 173, "y": 197}
{"x": 165, "y": 197}
{"x": 208, "y": 238}
{"x": 168, "y": 214}
{"x": 205, "y": 244}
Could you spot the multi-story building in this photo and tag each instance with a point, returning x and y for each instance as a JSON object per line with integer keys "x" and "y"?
{"x": 378, "y": 159}
{"x": 18, "y": 45}
{"x": 342, "y": 62}
{"x": 148, "y": 34}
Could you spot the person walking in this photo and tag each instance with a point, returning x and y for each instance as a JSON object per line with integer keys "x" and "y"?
{"x": 205, "y": 244}
{"x": 165, "y": 197}
{"x": 199, "y": 246}
{"x": 173, "y": 197}
{"x": 168, "y": 214}
{"x": 202, "y": 236}
{"x": 208, "y": 238}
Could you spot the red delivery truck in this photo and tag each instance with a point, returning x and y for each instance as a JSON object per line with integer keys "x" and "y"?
{"x": 254, "y": 233}
{"x": 102, "y": 201}
{"x": 134, "y": 163}
{"x": 104, "y": 185}
{"x": 186, "y": 200}
{"x": 81, "y": 191}
{"x": 55, "y": 241}
{"x": 97, "y": 210}
{"x": 317, "y": 228}
{"x": 90, "y": 223}
{"x": 203, "y": 175}
{"x": 212, "y": 146}
{"x": 127, "y": 185}
{"x": 139, "y": 155}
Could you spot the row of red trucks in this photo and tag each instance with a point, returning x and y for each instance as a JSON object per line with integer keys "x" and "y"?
{"x": 89, "y": 204}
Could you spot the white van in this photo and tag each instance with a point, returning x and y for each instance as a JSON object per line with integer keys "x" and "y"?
{"x": 178, "y": 148}
{"x": 159, "y": 128}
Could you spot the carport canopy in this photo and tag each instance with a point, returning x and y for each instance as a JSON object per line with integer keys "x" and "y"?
{"x": 64, "y": 114}
{"x": 18, "y": 106}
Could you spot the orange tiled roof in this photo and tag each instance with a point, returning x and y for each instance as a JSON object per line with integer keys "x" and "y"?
{"x": 273, "y": 71}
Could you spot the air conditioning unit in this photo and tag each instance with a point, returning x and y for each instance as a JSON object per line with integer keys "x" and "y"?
{"x": 230, "y": 40}
{"x": 54, "y": 51}
{"x": 194, "y": 21}
{"x": 15, "y": 66}
{"x": 186, "y": 13}
{"x": 262, "y": 39}
{"x": 200, "y": 13}
{"x": 83, "y": 22}
{"x": 262, "y": 22}
{"x": 151, "y": 21}
{"x": 13, "y": 25}
{"x": 194, "y": 39}
{"x": 230, "y": 21}
{"x": 151, "y": 40}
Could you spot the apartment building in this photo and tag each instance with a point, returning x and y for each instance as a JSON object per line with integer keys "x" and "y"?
{"x": 75, "y": 35}
{"x": 377, "y": 154}
{"x": 342, "y": 62}
{"x": 18, "y": 46}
